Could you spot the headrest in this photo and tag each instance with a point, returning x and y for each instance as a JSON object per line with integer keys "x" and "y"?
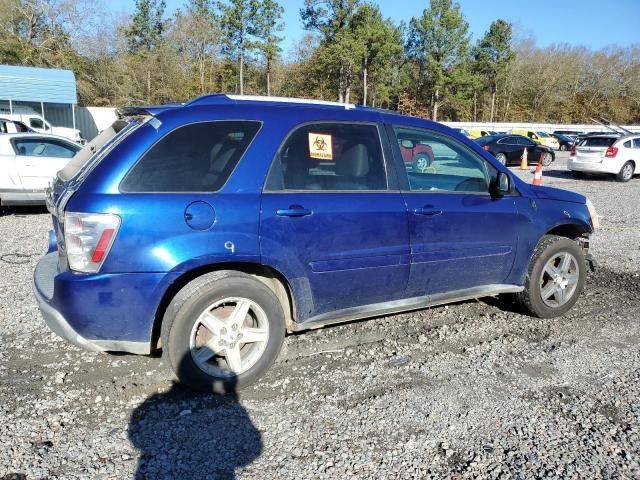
{"x": 354, "y": 162}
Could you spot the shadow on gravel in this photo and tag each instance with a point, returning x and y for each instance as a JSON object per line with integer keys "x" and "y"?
{"x": 183, "y": 434}
{"x": 22, "y": 211}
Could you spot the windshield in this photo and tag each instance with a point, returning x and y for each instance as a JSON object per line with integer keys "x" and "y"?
{"x": 543, "y": 134}
{"x": 484, "y": 140}
{"x": 83, "y": 156}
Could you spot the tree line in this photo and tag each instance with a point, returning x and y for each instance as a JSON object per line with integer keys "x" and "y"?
{"x": 428, "y": 66}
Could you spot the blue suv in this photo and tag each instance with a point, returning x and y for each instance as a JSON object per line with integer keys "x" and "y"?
{"x": 211, "y": 229}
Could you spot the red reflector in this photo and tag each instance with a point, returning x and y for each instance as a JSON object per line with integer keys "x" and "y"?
{"x": 573, "y": 150}
{"x": 103, "y": 244}
{"x": 611, "y": 152}
{"x": 486, "y": 148}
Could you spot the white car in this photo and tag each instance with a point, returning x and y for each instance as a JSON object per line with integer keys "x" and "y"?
{"x": 614, "y": 154}
{"x": 39, "y": 124}
{"x": 28, "y": 162}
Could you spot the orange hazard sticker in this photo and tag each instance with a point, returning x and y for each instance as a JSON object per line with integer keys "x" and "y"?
{"x": 320, "y": 146}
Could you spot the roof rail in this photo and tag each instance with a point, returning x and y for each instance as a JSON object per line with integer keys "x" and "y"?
{"x": 220, "y": 98}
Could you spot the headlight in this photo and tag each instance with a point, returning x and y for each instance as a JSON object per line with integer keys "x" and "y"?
{"x": 594, "y": 215}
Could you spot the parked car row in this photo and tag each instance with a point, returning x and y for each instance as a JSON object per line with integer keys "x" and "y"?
{"x": 509, "y": 149}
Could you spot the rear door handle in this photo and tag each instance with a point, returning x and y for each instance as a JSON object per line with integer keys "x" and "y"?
{"x": 427, "y": 211}
{"x": 293, "y": 211}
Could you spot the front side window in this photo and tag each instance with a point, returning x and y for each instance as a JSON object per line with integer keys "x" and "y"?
{"x": 329, "y": 157}
{"x": 437, "y": 162}
{"x": 36, "y": 123}
{"x": 198, "y": 157}
{"x": 33, "y": 147}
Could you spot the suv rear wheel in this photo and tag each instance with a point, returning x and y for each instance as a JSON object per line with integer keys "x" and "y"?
{"x": 222, "y": 331}
{"x": 555, "y": 279}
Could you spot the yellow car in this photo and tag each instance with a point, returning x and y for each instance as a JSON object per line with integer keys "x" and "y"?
{"x": 538, "y": 137}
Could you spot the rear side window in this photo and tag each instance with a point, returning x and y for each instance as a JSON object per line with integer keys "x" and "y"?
{"x": 194, "y": 158}
{"x": 598, "y": 141}
{"x": 636, "y": 143}
{"x": 329, "y": 156}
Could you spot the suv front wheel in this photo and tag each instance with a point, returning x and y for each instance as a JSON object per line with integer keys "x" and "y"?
{"x": 555, "y": 278}
{"x": 222, "y": 331}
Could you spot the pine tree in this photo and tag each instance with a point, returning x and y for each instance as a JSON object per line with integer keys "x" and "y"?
{"x": 147, "y": 25}
{"x": 268, "y": 24}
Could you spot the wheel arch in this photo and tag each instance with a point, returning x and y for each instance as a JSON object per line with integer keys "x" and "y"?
{"x": 269, "y": 276}
{"x": 572, "y": 231}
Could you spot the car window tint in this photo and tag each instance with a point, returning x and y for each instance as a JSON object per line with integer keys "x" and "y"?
{"x": 636, "y": 143}
{"x": 194, "y": 158}
{"x": 437, "y": 162}
{"x": 329, "y": 157}
{"x": 36, "y": 123}
{"x": 35, "y": 147}
{"x": 598, "y": 141}
{"x": 627, "y": 144}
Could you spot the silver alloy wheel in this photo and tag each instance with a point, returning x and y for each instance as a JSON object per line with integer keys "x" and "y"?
{"x": 559, "y": 279}
{"x": 547, "y": 159}
{"x": 229, "y": 337}
{"x": 502, "y": 158}
{"x": 627, "y": 171}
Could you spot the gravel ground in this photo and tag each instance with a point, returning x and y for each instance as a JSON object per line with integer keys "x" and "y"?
{"x": 468, "y": 390}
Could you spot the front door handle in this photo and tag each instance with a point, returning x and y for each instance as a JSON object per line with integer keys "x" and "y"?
{"x": 427, "y": 211}
{"x": 293, "y": 211}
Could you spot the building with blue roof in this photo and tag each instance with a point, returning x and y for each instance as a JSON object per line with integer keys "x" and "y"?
{"x": 48, "y": 91}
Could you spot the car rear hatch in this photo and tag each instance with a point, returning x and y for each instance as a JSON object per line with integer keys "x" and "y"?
{"x": 594, "y": 149}
{"x": 68, "y": 180}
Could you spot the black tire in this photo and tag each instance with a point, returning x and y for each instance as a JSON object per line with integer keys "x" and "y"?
{"x": 563, "y": 148}
{"x": 626, "y": 172}
{"x": 502, "y": 158}
{"x": 549, "y": 247}
{"x": 421, "y": 162}
{"x": 183, "y": 313}
{"x": 547, "y": 159}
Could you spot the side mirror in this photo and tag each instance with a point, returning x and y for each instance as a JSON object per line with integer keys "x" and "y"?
{"x": 502, "y": 185}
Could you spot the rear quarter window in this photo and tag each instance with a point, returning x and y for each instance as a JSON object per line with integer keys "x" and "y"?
{"x": 198, "y": 157}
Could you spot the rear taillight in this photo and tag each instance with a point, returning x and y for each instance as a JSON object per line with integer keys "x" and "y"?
{"x": 611, "y": 152}
{"x": 573, "y": 150}
{"x": 88, "y": 237}
{"x": 486, "y": 148}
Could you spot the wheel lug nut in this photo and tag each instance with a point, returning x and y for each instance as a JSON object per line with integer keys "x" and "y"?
{"x": 234, "y": 327}
{"x": 223, "y": 331}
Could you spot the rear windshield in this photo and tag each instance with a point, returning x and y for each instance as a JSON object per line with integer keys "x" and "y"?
{"x": 198, "y": 157}
{"x": 80, "y": 158}
{"x": 597, "y": 142}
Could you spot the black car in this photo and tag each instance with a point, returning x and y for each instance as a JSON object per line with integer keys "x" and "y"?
{"x": 565, "y": 142}
{"x": 508, "y": 149}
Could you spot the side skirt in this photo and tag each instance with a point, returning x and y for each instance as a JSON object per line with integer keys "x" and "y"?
{"x": 397, "y": 306}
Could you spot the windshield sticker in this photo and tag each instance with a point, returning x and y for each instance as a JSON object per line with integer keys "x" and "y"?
{"x": 320, "y": 146}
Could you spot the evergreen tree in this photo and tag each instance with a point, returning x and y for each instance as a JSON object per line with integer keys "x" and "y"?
{"x": 438, "y": 41}
{"x": 268, "y": 24}
{"x": 147, "y": 26}
{"x": 239, "y": 25}
{"x": 492, "y": 54}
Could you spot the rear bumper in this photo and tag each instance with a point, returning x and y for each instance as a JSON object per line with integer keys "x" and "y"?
{"x": 108, "y": 312}
{"x": 577, "y": 165}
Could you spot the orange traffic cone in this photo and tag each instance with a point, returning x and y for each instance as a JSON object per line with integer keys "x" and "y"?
{"x": 523, "y": 160}
{"x": 537, "y": 174}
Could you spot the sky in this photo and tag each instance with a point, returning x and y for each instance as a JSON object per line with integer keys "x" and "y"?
{"x": 590, "y": 23}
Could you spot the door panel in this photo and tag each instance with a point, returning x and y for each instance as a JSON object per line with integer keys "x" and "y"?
{"x": 37, "y": 172}
{"x": 460, "y": 236}
{"x": 330, "y": 223}
{"x": 352, "y": 250}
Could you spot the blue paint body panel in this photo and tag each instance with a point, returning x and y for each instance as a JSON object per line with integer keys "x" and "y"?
{"x": 352, "y": 249}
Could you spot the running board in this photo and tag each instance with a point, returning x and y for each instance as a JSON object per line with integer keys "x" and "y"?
{"x": 397, "y": 306}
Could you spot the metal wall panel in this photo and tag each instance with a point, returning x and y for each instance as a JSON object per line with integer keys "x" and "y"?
{"x": 37, "y": 85}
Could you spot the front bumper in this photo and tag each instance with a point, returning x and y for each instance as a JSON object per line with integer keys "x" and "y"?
{"x": 98, "y": 312}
